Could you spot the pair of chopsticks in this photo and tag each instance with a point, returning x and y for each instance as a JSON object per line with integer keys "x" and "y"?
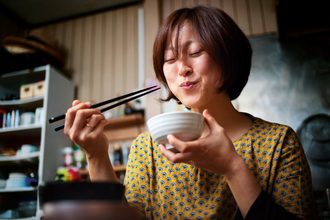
{"x": 134, "y": 95}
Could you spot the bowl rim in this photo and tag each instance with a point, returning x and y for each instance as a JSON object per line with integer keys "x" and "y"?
{"x": 172, "y": 113}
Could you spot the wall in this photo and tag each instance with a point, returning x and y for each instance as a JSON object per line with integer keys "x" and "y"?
{"x": 289, "y": 80}
{"x": 254, "y": 17}
{"x": 289, "y": 83}
{"x": 103, "y": 52}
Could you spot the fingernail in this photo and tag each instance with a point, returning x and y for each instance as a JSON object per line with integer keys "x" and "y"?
{"x": 161, "y": 147}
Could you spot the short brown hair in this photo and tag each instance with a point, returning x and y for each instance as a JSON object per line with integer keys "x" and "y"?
{"x": 221, "y": 38}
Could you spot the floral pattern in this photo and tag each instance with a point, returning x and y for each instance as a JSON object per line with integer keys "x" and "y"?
{"x": 161, "y": 189}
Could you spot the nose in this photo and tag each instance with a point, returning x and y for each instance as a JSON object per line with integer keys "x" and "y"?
{"x": 184, "y": 69}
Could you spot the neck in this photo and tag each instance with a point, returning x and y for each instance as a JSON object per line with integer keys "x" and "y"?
{"x": 234, "y": 122}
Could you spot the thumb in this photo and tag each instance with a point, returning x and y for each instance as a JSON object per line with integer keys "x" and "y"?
{"x": 211, "y": 122}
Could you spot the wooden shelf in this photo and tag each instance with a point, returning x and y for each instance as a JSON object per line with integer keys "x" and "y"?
{"x": 27, "y": 103}
{"x": 23, "y": 132}
{"x": 124, "y": 128}
{"x": 18, "y": 189}
{"x": 20, "y": 128}
{"x": 20, "y": 158}
{"x": 117, "y": 168}
{"x": 124, "y": 121}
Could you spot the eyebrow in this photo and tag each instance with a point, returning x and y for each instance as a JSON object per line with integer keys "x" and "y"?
{"x": 185, "y": 45}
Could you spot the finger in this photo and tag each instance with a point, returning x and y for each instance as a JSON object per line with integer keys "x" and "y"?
{"x": 100, "y": 126}
{"x": 90, "y": 124}
{"x": 181, "y": 146}
{"x": 175, "y": 157}
{"x": 71, "y": 114}
{"x": 94, "y": 120}
{"x": 176, "y": 143}
{"x": 89, "y": 132}
{"x": 211, "y": 122}
{"x": 82, "y": 115}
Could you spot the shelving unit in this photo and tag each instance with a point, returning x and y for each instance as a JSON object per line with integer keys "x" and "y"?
{"x": 57, "y": 96}
{"x": 18, "y": 189}
{"x": 30, "y": 157}
{"x": 124, "y": 128}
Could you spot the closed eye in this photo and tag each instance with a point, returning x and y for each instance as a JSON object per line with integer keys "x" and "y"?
{"x": 169, "y": 60}
{"x": 196, "y": 54}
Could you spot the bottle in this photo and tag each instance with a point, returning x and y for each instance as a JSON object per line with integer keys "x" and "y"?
{"x": 117, "y": 155}
{"x": 68, "y": 157}
{"x": 79, "y": 157}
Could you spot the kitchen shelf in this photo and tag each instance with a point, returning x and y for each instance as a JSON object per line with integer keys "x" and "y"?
{"x": 23, "y": 132}
{"x": 23, "y": 103}
{"x": 20, "y": 158}
{"x": 49, "y": 157}
{"x": 18, "y": 189}
{"x": 124, "y": 121}
{"x": 126, "y": 127}
{"x": 20, "y": 128}
{"x": 118, "y": 168}
{"x": 28, "y": 218}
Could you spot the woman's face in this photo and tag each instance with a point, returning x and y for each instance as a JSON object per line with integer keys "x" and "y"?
{"x": 191, "y": 74}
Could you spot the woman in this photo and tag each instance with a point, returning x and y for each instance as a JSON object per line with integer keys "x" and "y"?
{"x": 241, "y": 166}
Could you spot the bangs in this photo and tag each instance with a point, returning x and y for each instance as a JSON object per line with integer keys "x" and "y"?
{"x": 174, "y": 26}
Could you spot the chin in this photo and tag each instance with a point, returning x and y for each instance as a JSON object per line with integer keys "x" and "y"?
{"x": 190, "y": 105}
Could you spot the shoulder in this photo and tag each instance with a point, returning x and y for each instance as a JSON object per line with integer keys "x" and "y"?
{"x": 280, "y": 134}
{"x": 267, "y": 128}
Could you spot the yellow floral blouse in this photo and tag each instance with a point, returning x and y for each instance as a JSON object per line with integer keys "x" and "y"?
{"x": 161, "y": 189}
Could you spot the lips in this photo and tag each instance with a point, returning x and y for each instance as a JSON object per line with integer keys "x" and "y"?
{"x": 187, "y": 84}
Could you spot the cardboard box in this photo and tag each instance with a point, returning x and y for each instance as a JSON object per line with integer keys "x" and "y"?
{"x": 39, "y": 88}
{"x": 26, "y": 91}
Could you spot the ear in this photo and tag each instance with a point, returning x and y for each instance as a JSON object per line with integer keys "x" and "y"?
{"x": 220, "y": 80}
{"x": 219, "y": 84}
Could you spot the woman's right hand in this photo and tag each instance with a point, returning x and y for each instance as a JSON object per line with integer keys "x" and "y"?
{"x": 84, "y": 126}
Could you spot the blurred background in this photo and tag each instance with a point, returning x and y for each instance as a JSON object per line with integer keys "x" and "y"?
{"x": 105, "y": 48}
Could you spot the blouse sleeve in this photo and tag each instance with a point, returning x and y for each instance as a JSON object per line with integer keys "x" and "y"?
{"x": 291, "y": 195}
{"x": 265, "y": 208}
{"x": 293, "y": 185}
{"x": 134, "y": 176}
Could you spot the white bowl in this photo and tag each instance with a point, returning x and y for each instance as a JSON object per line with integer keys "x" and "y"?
{"x": 186, "y": 126}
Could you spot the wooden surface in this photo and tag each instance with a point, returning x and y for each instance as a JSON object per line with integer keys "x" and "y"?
{"x": 125, "y": 121}
{"x": 117, "y": 168}
{"x": 124, "y": 128}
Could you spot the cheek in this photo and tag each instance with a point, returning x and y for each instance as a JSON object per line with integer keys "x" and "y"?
{"x": 169, "y": 74}
{"x": 216, "y": 74}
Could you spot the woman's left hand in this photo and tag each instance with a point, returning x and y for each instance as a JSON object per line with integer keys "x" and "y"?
{"x": 213, "y": 152}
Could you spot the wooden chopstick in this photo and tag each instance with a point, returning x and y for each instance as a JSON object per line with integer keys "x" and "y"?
{"x": 60, "y": 117}
{"x": 148, "y": 90}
